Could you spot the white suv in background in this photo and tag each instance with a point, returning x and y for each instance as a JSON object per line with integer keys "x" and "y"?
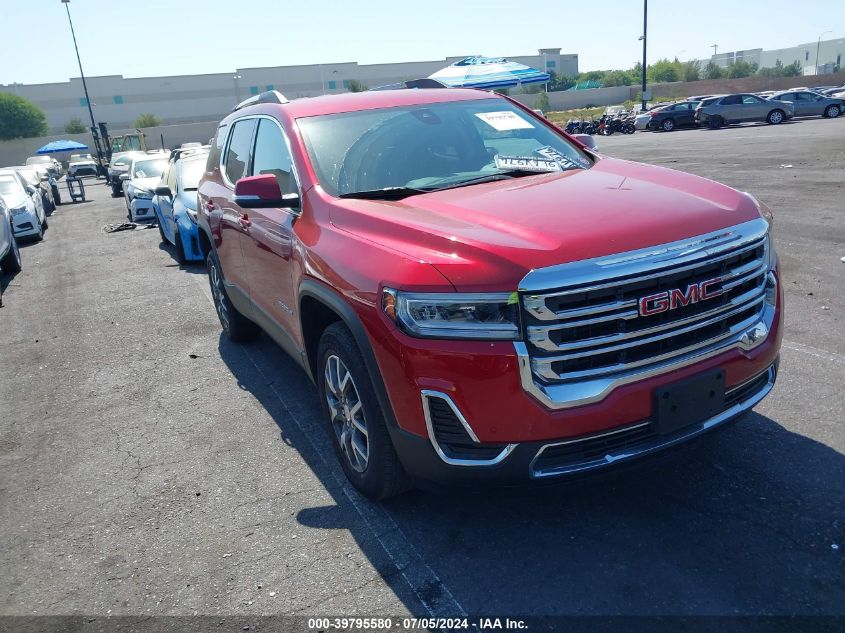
{"x": 25, "y": 205}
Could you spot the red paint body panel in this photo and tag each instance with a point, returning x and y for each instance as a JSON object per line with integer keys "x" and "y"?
{"x": 485, "y": 237}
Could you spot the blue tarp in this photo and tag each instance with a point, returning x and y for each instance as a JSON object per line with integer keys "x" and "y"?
{"x": 60, "y": 146}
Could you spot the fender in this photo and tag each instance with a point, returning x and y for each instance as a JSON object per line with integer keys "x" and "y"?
{"x": 330, "y": 298}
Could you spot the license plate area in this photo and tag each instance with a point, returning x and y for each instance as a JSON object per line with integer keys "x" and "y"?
{"x": 689, "y": 401}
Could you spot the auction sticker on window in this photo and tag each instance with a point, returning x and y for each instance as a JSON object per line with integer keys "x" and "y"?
{"x": 504, "y": 121}
{"x": 526, "y": 163}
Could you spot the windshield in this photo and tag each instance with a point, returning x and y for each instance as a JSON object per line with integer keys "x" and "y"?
{"x": 149, "y": 168}
{"x": 32, "y": 160}
{"x": 30, "y": 175}
{"x": 79, "y": 157}
{"x": 434, "y": 146}
{"x": 8, "y": 185}
{"x": 192, "y": 170}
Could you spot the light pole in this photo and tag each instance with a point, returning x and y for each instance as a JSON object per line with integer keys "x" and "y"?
{"x": 818, "y": 44}
{"x": 643, "y": 38}
{"x": 84, "y": 86}
{"x": 715, "y": 48}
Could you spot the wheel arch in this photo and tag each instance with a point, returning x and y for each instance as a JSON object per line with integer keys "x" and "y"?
{"x": 319, "y": 307}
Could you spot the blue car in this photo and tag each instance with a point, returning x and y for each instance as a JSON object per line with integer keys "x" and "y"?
{"x": 175, "y": 202}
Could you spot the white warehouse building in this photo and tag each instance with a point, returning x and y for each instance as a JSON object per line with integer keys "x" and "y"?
{"x": 118, "y": 101}
{"x": 831, "y": 54}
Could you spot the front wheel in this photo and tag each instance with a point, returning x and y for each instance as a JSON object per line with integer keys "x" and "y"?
{"x": 774, "y": 117}
{"x": 11, "y": 263}
{"x": 668, "y": 125}
{"x": 235, "y": 325}
{"x": 715, "y": 122}
{"x": 354, "y": 418}
{"x": 832, "y": 111}
{"x": 180, "y": 248}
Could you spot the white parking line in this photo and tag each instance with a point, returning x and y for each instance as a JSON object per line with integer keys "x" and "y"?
{"x": 421, "y": 578}
{"x": 833, "y": 357}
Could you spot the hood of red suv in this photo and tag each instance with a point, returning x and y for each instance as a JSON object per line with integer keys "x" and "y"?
{"x": 488, "y": 236}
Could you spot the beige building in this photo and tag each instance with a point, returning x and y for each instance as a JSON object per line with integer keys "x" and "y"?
{"x": 118, "y": 101}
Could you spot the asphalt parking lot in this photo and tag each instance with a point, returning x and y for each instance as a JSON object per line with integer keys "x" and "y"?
{"x": 148, "y": 466}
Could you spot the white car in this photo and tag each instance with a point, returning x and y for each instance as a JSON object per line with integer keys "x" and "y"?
{"x": 10, "y": 256}
{"x": 81, "y": 165}
{"x": 139, "y": 185}
{"x": 25, "y": 206}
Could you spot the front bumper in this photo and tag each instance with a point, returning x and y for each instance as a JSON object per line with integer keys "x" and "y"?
{"x": 189, "y": 234}
{"x": 82, "y": 170}
{"x": 592, "y": 453}
{"x": 25, "y": 224}
{"x": 141, "y": 209}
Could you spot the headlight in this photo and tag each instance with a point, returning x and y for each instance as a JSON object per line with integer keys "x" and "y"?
{"x": 19, "y": 210}
{"x": 192, "y": 215}
{"x": 454, "y": 316}
{"x": 144, "y": 194}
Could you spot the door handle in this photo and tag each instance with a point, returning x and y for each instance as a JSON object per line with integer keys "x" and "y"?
{"x": 244, "y": 221}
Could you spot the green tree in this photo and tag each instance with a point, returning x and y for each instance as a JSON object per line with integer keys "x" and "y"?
{"x": 712, "y": 71}
{"x": 740, "y": 69}
{"x": 691, "y": 70}
{"x": 542, "y": 102}
{"x": 792, "y": 70}
{"x": 355, "y": 86}
{"x": 616, "y": 78}
{"x": 75, "y": 126}
{"x": 147, "y": 119}
{"x": 662, "y": 71}
{"x": 561, "y": 81}
{"x": 20, "y": 118}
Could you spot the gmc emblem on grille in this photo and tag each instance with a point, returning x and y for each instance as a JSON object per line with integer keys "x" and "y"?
{"x": 675, "y": 298}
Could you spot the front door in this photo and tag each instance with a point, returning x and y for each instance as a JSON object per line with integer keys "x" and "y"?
{"x": 268, "y": 253}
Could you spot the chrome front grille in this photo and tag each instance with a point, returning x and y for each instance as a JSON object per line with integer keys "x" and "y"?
{"x": 587, "y": 323}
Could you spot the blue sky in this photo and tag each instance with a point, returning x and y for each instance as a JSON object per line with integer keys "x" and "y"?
{"x": 139, "y": 38}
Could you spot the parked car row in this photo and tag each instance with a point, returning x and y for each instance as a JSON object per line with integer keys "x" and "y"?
{"x": 715, "y": 111}
{"x": 25, "y": 204}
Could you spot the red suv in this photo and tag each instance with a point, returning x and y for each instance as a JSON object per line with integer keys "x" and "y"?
{"x": 479, "y": 296}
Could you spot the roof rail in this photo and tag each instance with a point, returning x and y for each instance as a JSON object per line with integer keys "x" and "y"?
{"x": 271, "y": 96}
{"x": 424, "y": 83}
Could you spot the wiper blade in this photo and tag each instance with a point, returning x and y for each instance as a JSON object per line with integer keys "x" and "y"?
{"x": 387, "y": 193}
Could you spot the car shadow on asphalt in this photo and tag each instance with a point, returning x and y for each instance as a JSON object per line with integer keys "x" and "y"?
{"x": 745, "y": 520}
{"x": 194, "y": 268}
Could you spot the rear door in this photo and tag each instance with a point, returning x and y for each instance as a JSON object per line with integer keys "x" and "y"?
{"x": 730, "y": 108}
{"x": 233, "y": 221}
{"x": 808, "y": 104}
{"x": 268, "y": 253}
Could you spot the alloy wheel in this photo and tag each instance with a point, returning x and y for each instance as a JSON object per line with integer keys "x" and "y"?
{"x": 219, "y": 295}
{"x": 347, "y": 414}
{"x": 775, "y": 117}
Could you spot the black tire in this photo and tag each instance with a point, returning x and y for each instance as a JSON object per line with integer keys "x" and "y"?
{"x": 115, "y": 191}
{"x": 57, "y": 196}
{"x": 832, "y": 111}
{"x": 668, "y": 125}
{"x": 11, "y": 263}
{"x": 715, "y": 122}
{"x": 44, "y": 225}
{"x": 775, "y": 117}
{"x": 235, "y": 325}
{"x": 180, "y": 249}
{"x": 382, "y": 476}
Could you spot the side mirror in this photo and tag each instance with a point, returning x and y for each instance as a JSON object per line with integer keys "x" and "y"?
{"x": 124, "y": 176}
{"x": 586, "y": 140}
{"x": 30, "y": 189}
{"x": 163, "y": 191}
{"x": 262, "y": 192}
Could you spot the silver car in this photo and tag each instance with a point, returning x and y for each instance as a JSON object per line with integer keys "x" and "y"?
{"x": 741, "y": 108}
{"x": 809, "y": 103}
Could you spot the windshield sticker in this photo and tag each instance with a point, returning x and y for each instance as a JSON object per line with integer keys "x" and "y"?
{"x": 504, "y": 121}
{"x": 527, "y": 163}
{"x": 552, "y": 154}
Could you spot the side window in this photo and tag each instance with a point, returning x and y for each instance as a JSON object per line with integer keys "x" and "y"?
{"x": 731, "y": 100}
{"x": 217, "y": 144}
{"x": 170, "y": 177}
{"x": 751, "y": 99}
{"x": 789, "y": 96}
{"x": 806, "y": 96}
{"x": 236, "y": 161}
{"x": 271, "y": 155}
